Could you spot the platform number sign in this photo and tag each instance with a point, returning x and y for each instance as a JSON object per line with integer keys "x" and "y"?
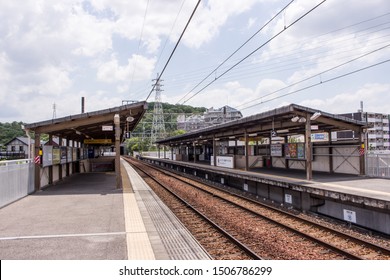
{"x": 349, "y": 216}
{"x": 288, "y": 198}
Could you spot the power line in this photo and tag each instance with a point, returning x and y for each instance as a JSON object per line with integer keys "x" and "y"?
{"x": 292, "y": 63}
{"x": 189, "y": 76}
{"x": 139, "y": 42}
{"x": 318, "y": 74}
{"x": 248, "y": 69}
{"x": 173, "y": 25}
{"x": 319, "y": 83}
{"x": 268, "y": 41}
{"x": 278, "y": 64}
{"x": 239, "y": 48}
{"x": 174, "y": 49}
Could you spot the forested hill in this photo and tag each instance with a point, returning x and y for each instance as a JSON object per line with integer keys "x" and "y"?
{"x": 170, "y": 115}
{"x": 10, "y": 130}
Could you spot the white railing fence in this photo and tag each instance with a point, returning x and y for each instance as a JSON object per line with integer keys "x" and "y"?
{"x": 16, "y": 180}
{"x": 378, "y": 165}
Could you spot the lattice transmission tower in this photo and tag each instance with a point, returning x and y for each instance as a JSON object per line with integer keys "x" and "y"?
{"x": 54, "y": 111}
{"x": 158, "y": 125}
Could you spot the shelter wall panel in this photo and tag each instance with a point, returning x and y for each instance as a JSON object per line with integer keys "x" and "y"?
{"x": 346, "y": 160}
{"x": 239, "y": 161}
{"x": 44, "y": 176}
{"x": 255, "y": 161}
{"x": 321, "y": 163}
{"x": 56, "y": 168}
{"x": 279, "y": 162}
{"x": 296, "y": 164}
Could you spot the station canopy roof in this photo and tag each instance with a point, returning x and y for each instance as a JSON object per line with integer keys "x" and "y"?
{"x": 287, "y": 120}
{"x": 92, "y": 125}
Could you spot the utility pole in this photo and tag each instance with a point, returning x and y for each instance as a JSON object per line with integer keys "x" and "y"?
{"x": 158, "y": 125}
{"x": 54, "y": 111}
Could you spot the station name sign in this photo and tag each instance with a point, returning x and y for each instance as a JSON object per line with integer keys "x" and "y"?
{"x": 97, "y": 141}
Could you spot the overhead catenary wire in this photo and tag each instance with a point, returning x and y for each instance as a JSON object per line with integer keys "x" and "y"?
{"x": 169, "y": 35}
{"x": 239, "y": 48}
{"x": 174, "y": 49}
{"x": 320, "y": 83}
{"x": 254, "y": 51}
{"x": 281, "y": 63}
{"x": 140, "y": 91}
{"x": 139, "y": 43}
{"x": 316, "y": 75}
{"x": 195, "y": 74}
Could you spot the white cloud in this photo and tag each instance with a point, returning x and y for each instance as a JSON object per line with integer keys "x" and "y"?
{"x": 210, "y": 17}
{"x": 233, "y": 85}
{"x": 59, "y": 51}
{"x": 374, "y": 97}
{"x": 267, "y": 86}
{"x": 54, "y": 81}
{"x": 4, "y": 64}
{"x": 251, "y": 22}
{"x": 111, "y": 71}
{"x": 90, "y": 35}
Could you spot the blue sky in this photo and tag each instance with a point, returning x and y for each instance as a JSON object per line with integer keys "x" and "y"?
{"x": 110, "y": 50}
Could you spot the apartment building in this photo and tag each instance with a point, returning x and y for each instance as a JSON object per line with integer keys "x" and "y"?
{"x": 212, "y": 116}
{"x": 378, "y": 135}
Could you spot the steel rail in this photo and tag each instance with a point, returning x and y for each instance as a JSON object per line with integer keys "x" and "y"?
{"x": 338, "y": 233}
{"x": 239, "y": 244}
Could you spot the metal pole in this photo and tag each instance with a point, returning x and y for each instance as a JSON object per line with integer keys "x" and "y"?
{"x": 117, "y": 151}
{"x": 309, "y": 170}
{"x": 214, "y": 151}
{"x": 37, "y": 168}
{"x": 194, "y": 145}
{"x": 246, "y": 150}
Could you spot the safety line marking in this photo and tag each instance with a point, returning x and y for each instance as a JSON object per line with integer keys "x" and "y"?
{"x": 62, "y": 235}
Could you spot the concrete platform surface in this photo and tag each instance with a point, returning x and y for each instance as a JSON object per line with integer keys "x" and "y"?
{"x": 85, "y": 217}
{"x": 81, "y": 217}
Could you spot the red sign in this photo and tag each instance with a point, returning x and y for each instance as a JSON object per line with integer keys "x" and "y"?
{"x": 361, "y": 151}
{"x": 37, "y": 159}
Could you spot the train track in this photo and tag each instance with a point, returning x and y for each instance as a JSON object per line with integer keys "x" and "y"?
{"x": 217, "y": 242}
{"x": 345, "y": 245}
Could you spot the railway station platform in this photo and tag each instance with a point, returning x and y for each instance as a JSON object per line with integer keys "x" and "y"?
{"x": 84, "y": 216}
{"x": 356, "y": 199}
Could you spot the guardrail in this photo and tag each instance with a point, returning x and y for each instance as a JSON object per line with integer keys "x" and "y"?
{"x": 378, "y": 165}
{"x": 16, "y": 180}
{"x": 7, "y": 155}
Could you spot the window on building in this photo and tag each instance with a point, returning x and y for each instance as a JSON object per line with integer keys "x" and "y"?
{"x": 13, "y": 149}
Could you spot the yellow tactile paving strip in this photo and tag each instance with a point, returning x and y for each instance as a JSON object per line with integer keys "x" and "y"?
{"x": 138, "y": 244}
{"x": 149, "y": 218}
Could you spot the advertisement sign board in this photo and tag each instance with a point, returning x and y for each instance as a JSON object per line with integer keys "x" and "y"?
{"x": 56, "y": 155}
{"x": 70, "y": 154}
{"x": 47, "y": 157}
{"x": 225, "y": 161}
{"x": 276, "y": 150}
{"x": 64, "y": 153}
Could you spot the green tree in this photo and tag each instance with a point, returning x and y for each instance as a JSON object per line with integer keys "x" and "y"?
{"x": 8, "y": 131}
{"x": 170, "y": 115}
{"x": 137, "y": 144}
{"x": 178, "y": 132}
